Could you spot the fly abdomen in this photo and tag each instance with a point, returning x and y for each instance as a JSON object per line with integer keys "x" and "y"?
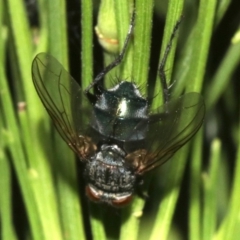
{"x": 108, "y": 172}
{"x": 108, "y": 178}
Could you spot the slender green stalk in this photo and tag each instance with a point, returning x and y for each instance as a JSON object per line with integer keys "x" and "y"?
{"x": 174, "y": 12}
{"x": 210, "y": 192}
{"x": 222, "y": 77}
{"x": 191, "y": 68}
{"x": 131, "y": 217}
{"x": 222, "y": 8}
{"x": 97, "y": 223}
{"x": 63, "y": 159}
{"x": 18, "y": 158}
{"x": 195, "y": 188}
{"x": 106, "y": 31}
{"x": 123, "y": 11}
{"x": 229, "y": 228}
{"x": 202, "y": 37}
{"x": 7, "y": 229}
{"x": 142, "y": 43}
{"x": 87, "y": 43}
{"x": 165, "y": 212}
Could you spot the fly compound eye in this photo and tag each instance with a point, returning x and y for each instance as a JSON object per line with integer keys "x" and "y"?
{"x": 122, "y": 201}
{"x": 112, "y": 199}
{"x": 92, "y": 194}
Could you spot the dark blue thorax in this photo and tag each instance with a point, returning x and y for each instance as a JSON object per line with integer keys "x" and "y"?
{"x": 121, "y": 113}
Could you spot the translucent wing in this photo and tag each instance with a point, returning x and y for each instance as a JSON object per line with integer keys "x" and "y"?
{"x": 170, "y": 127}
{"x": 64, "y": 101}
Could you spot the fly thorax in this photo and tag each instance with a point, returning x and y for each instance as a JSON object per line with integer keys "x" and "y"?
{"x": 121, "y": 113}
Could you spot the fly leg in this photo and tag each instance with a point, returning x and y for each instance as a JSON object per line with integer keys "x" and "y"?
{"x": 161, "y": 66}
{"x": 112, "y": 65}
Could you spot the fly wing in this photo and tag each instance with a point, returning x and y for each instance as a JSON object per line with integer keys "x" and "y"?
{"x": 64, "y": 101}
{"x": 169, "y": 128}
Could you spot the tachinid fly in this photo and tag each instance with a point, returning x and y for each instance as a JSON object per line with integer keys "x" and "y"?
{"x": 122, "y": 139}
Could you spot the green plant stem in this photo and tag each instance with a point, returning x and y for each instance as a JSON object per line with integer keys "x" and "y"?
{"x": 222, "y": 77}
{"x": 87, "y": 43}
{"x": 7, "y": 229}
{"x": 229, "y": 228}
{"x": 174, "y": 12}
{"x": 123, "y": 15}
{"x": 142, "y": 43}
{"x": 166, "y": 208}
{"x": 131, "y": 217}
{"x": 63, "y": 159}
{"x": 195, "y": 187}
{"x": 210, "y": 185}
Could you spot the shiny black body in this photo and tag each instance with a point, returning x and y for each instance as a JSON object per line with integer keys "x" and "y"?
{"x": 122, "y": 139}
{"x": 118, "y": 111}
{"x": 109, "y": 176}
{"x": 116, "y": 114}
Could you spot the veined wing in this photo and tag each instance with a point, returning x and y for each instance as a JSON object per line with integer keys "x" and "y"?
{"x": 64, "y": 101}
{"x": 169, "y": 128}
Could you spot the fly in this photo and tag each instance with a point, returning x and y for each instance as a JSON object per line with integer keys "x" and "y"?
{"x": 122, "y": 139}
